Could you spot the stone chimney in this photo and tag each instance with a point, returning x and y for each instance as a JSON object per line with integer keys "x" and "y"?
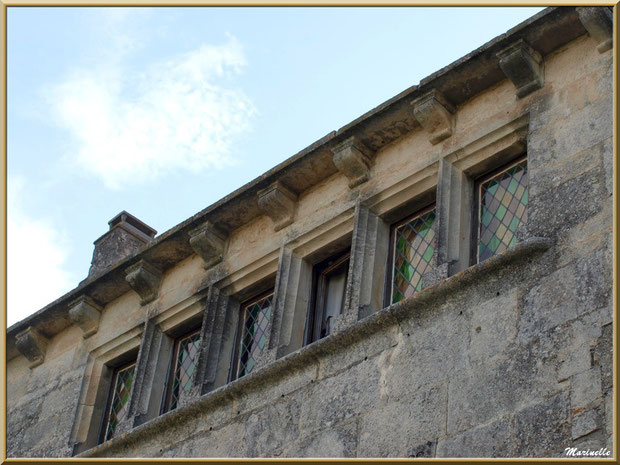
{"x": 126, "y": 235}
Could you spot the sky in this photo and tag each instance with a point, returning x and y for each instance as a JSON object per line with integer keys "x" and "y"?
{"x": 163, "y": 111}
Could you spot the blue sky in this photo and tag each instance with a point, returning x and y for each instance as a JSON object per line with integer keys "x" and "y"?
{"x": 163, "y": 111}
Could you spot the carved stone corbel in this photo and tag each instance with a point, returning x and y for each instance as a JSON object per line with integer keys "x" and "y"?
{"x": 353, "y": 159}
{"x": 598, "y": 21}
{"x": 32, "y": 345}
{"x": 208, "y": 242}
{"x": 435, "y": 114}
{"x": 278, "y": 202}
{"x": 523, "y": 66}
{"x": 85, "y": 313}
{"x": 145, "y": 279}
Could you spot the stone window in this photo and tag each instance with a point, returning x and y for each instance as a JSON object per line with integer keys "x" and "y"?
{"x": 501, "y": 199}
{"x": 117, "y": 406}
{"x": 412, "y": 253}
{"x": 251, "y": 339}
{"x": 328, "y": 293}
{"x": 182, "y": 369}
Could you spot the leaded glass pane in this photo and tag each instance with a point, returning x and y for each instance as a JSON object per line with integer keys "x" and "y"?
{"x": 119, "y": 403}
{"x": 503, "y": 202}
{"x": 185, "y": 366}
{"x": 414, "y": 254}
{"x": 254, "y": 336}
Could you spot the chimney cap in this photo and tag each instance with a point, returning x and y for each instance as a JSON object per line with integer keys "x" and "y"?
{"x": 125, "y": 217}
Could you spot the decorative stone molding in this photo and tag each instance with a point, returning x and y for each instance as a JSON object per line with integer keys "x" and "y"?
{"x": 598, "y": 21}
{"x": 523, "y": 66}
{"x": 353, "y": 159}
{"x": 278, "y": 202}
{"x": 85, "y": 313}
{"x": 145, "y": 279}
{"x": 32, "y": 345}
{"x": 435, "y": 114}
{"x": 208, "y": 242}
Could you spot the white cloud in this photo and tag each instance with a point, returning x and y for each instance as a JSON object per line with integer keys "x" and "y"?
{"x": 131, "y": 127}
{"x": 36, "y": 253}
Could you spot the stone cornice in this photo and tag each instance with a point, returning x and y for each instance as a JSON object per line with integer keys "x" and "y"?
{"x": 457, "y": 82}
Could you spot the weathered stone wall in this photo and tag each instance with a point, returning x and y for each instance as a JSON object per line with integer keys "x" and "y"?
{"x": 510, "y": 357}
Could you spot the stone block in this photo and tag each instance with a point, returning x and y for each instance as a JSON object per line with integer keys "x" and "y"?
{"x": 340, "y": 397}
{"x": 543, "y": 429}
{"x": 435, "y": 114}
{"x": 523, "y": 66}
{"x": 493, "y": 326}
{"x": 353, "y": 159}
{"x": 32, "y": 345}
{"x": 585, "y": 389}
{"x": 145, "y": 279}
{"x": 505, "y": 383}
{"x": 208, "y": 242}
{"x": 598, "y": 21}
{"x": 278, "y": 203}
{"x": 85, "y": 313}
{"x": 604, "y": 355}
{"x": 337, "y": 441}
{"x": 398, "y": 428}
{"x": 585, "y": 423}
{"x": 490, "y": 440}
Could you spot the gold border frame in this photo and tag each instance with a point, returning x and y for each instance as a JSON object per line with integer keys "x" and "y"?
{"x": 241, "y": 3}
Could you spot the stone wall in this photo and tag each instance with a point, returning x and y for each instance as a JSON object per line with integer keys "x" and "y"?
{"x": 508, "y": 357}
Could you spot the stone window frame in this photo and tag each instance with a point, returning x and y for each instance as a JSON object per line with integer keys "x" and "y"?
{"x": 90, "y": 413}
{"x": 458, "y": 172}
{"x": 316, "y": 306}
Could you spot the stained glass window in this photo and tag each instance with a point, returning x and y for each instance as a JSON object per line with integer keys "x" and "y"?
{"x": 503, "y": 207}
{"x": 413, "y": 254}
{"x": 254, "y": 333}
{"x": 185, "y": 360}
{"x": 118, "y": 405}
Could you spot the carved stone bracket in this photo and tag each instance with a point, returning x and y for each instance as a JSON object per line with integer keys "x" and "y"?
{"x": 353, "y": 159}
{"x": 598, "y": 21}
{"x": 208, "y": 242}
{"x": 85, "y": 313}
{"x": 145, "y": 279}
{"x": 278, "y": 202}
{"x": 32, "y": 345}
{"x": 435, "y": 114}
{"x": 523, "y": 66}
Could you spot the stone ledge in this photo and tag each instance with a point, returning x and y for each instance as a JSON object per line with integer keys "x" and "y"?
{"x": 338, "y": 341}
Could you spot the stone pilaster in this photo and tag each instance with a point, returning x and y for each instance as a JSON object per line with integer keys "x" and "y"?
{"x": 85, "y": 313}
{"x": 291, "y": 295}
{"x": 145, "y": 279}
{"x": 366, "y": 280}
{"x": 278, "y": 202}
{"x": 598, "y": 21}
{"x": 353, "y": 159}
{"x": 523, "y": 66}
{"x": 217, "y": 334}
{"x": 435, "y": 114}
{"x": 32, "y": 345}
{"x": 209, "y": 243}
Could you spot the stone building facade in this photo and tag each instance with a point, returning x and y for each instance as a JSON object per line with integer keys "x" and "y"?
{"x": 433, "y": 279}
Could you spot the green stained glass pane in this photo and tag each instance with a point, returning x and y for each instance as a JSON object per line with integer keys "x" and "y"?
{"x": 118, "y": 407}
{"x": 254, "y": 333}
{"x": 414, "y": 258}
{"x": 502, "y": 209}
{"x": 187, "y": 349}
